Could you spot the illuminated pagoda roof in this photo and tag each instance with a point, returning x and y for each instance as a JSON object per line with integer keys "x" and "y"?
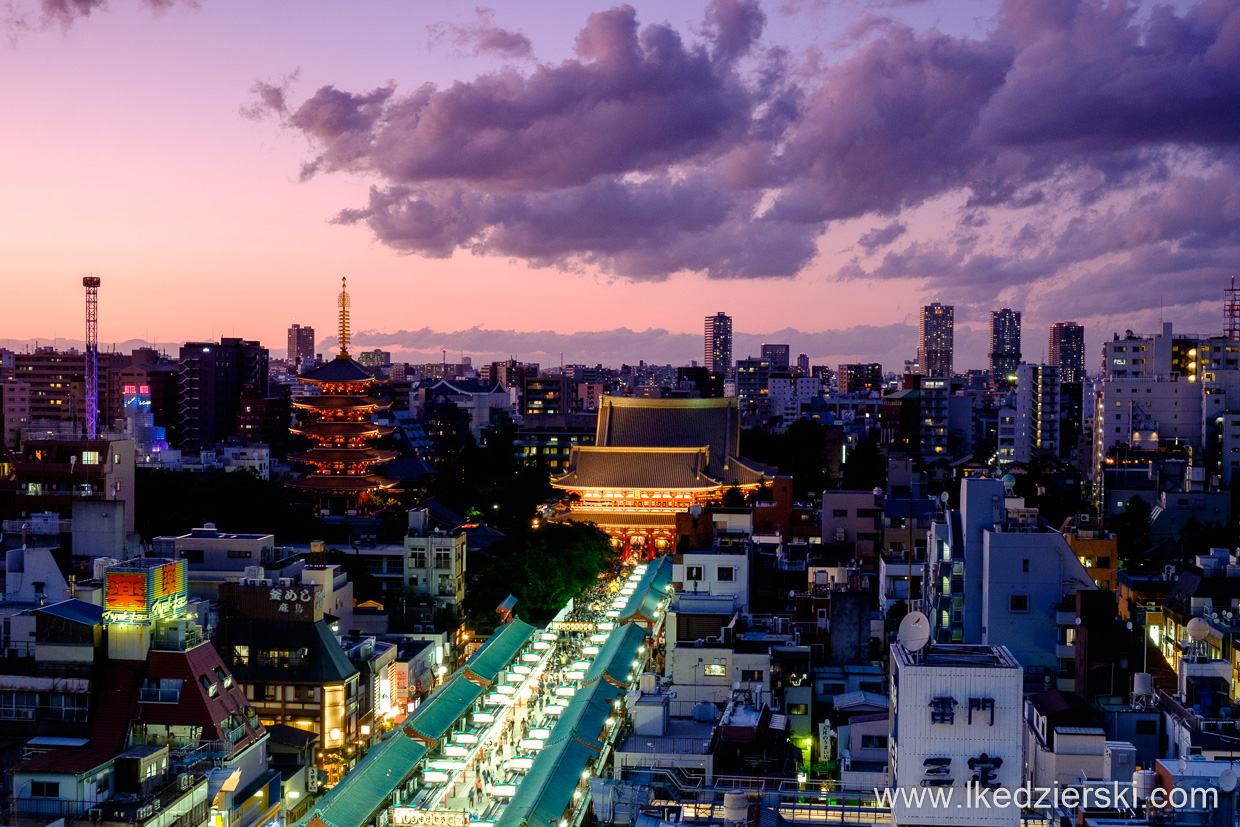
{"x": 343, "y": 455}
{"x": 333, "y": 482}
{"x": 341, "y": 429}
{"x": 341, "y": 370}
{"x": 660, "y": 468}
{"x": 340, "y": 403}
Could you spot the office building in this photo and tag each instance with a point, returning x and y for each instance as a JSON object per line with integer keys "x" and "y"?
{"x": 936, "y": 338}
{"x": 300, "y": 347}
{"x": 860, "y": 378}
{"x": 1067, "y": 350}
{"x": 778, "y": 355}
{"x": 1004, "y": 346}
{"x": 718, "y": 355}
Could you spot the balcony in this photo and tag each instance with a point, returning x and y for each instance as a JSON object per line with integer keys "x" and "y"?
{"x": 1065, "y": 651}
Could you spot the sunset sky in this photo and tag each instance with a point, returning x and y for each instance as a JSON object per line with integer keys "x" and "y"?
{"x": 592, "y": 179}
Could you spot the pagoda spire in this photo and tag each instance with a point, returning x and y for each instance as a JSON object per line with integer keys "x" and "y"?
{"x": 344, "y": 318}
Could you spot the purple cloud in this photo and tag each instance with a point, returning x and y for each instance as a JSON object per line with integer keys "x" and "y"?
{"x": 647, "y": 154}
{"x": 64, "y": 13}
{"x": 882, "y": 236}
{"x": 483, "y": 37}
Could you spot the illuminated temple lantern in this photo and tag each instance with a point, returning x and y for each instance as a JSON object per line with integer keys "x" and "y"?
{"x": 338, "y": 420}
{"x": 653, "y": 458}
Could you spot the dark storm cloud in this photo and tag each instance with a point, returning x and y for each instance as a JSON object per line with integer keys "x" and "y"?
{"x": 647, "y": 154}
{"x": 482, "y": 37}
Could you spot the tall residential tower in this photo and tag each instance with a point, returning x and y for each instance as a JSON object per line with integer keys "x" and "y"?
{"x": 719, "y": 343}
{"x": 1004, "y": 346}
{"x": 936, "y": 338}
{"x": 1067, "y": 350}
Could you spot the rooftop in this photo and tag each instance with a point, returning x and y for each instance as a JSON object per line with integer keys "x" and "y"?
{"x": 949, "y": 655}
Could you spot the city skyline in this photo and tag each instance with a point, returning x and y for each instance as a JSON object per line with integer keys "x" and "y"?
{"x": 163, "y": 152}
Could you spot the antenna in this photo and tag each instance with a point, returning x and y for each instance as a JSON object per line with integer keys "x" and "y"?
{"x": 914, "y": 632}
{"x": 343, "y": 303}
{"x": 91, "y": 283}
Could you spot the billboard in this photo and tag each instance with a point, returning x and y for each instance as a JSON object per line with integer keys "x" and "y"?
{"x": 144, "y": 590}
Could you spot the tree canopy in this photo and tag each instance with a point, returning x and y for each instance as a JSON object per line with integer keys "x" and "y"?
{"x": 542, "y": 567}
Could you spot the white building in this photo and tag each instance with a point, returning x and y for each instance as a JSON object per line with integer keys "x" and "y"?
{"x": 1134, "y": 356}
{"x": 998, "y": 576}
{"x": 1037, "y": 411}
{"x": 790, "y": 393}
{"x": 1145, "y": 412}
{"x": 957, "y": 721}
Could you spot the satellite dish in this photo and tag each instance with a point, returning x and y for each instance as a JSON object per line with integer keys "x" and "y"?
{"x": 944, "y": 497}
{"x": 1197, "y": 628}
{"x": 1227, "y": 780}
{"x": 914, "y": 631}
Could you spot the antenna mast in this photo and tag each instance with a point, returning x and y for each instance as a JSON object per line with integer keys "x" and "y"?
{"x": 344, "y": 318}
{"x": 91, "y": 283}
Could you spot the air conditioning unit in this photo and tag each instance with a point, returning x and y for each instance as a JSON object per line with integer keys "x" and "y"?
{"x": 286, "y": 581}
{"x": 145, "y": 812}
{"x": 94, "y": 814}
{"x": 25, "y": 714}
{"x": 183, "y": 782}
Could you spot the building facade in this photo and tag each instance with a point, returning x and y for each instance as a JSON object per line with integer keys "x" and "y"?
{"x": 718, "y": 349}
{"x": 1004, "y": 346}
{"x": 936, "y": 339}
{"x": 1067, "y": 350}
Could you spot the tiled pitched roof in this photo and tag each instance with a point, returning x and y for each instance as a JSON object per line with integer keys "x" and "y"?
{"x": 672, "y": 423}
{"x": 338, "y": 370}
{"x": 661, "y": 468}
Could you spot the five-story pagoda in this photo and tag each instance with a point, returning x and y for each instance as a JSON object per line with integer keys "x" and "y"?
{"x": 338, "y": 420}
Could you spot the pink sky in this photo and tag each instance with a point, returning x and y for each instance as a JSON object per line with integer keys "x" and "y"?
{"x": 126, "y": 155}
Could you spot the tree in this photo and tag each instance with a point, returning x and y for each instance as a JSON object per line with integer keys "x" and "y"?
{"x": 1132, "y": 532}
{"x": 734, "y": 497}
{"x": 542, "y": 567}
{"x": 865, "y": 467}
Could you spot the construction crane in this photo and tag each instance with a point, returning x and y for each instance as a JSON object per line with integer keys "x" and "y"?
{"x": 91, "y": 283}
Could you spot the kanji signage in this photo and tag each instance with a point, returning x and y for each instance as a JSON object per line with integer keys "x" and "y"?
{"x": 416, "y": 817}
{"x": 943, "y": 710}
{"x": 133, "y": 594}
{"x": 299, "y": 600}
{"x": 982, "y": 705}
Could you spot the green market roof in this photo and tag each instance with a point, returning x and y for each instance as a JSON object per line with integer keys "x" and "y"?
{"x": 370, "y": 784}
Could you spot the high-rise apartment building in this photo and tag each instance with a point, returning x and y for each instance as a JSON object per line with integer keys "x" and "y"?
{"x": 858, "y": 378}
{"x": 209, "y": 388}
{"x": 718, "y": 354}
{"x": 300, "y": 347}
{"x": 1067, "y": 350}
{"x": 1037, "y": 412}
{"x": 778, "y": 355}
{"x": 936, "y": 337}
{"x": 1004, "y": 346}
